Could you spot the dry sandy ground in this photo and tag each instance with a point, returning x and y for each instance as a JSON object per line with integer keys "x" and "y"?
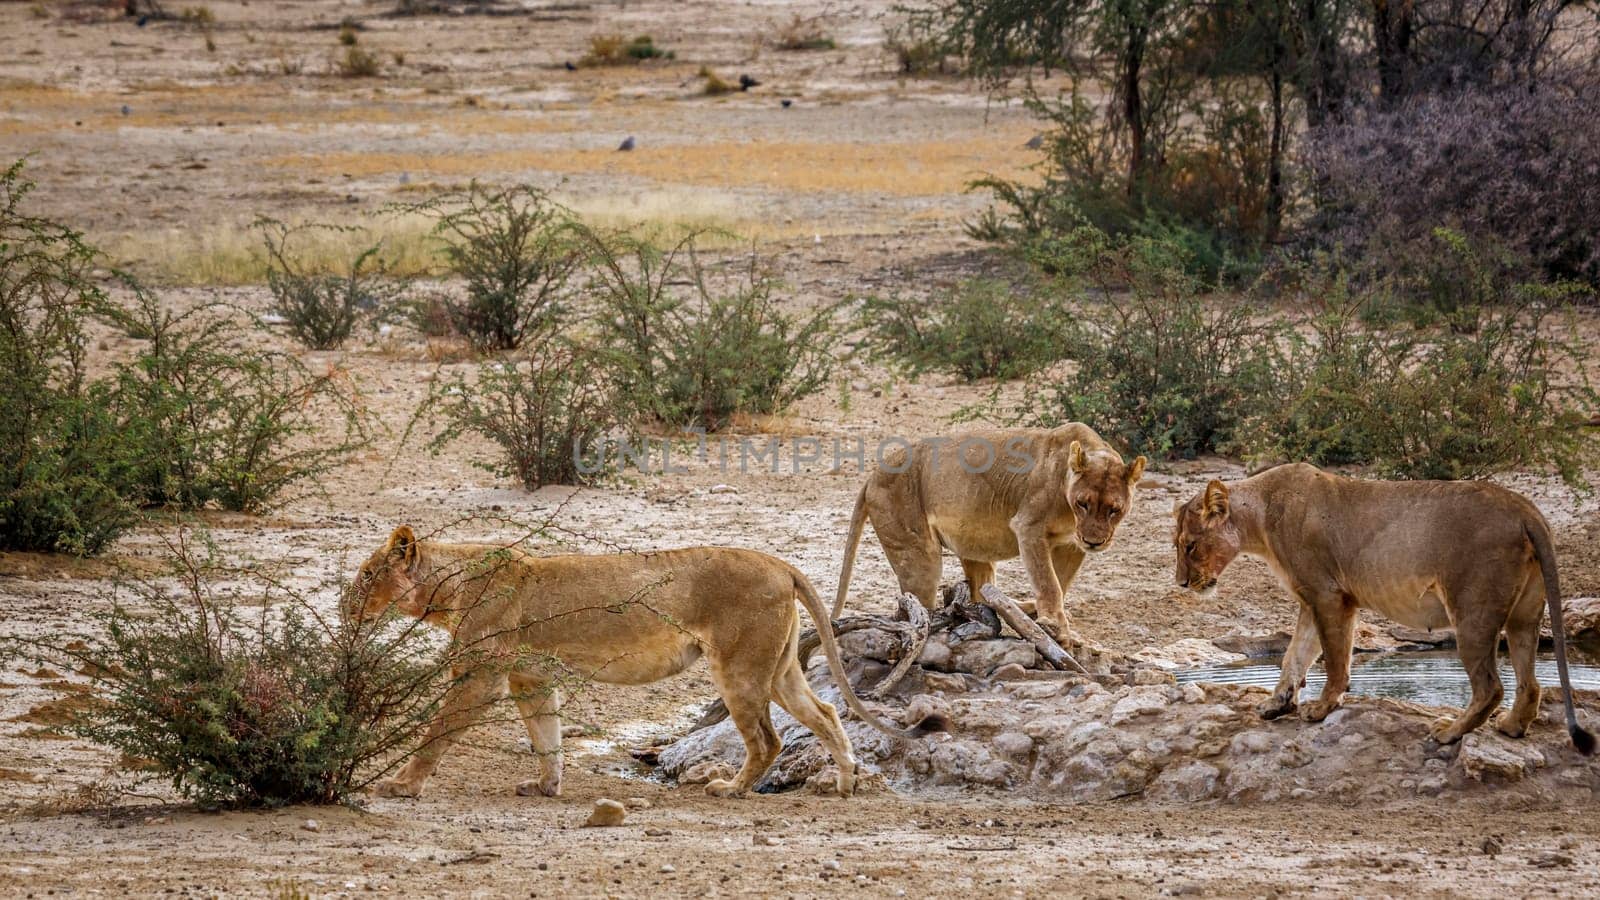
{"x": 857, "y": 187}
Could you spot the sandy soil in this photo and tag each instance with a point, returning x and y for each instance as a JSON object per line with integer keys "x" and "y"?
{"x": 857, "y": 187}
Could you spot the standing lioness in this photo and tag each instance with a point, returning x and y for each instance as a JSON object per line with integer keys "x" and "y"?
{"x": 1049, "y": 496}
{"x": 1424, "y": 553}
{"x": 621, "y": 619}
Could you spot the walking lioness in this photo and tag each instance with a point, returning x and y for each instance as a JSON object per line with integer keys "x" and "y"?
{"x": 1423, "y": 553}
{"x": 621, "y": 619}
{"x": 1047, "y": 496}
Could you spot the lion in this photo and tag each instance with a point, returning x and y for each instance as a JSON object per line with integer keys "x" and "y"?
{"x": 1427, "y": 554}
{"x": 620, "y": 619}
{"x": 1049, "y": 496}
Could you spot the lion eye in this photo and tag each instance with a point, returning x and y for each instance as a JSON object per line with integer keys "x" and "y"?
{"x": 1190, "y": 549}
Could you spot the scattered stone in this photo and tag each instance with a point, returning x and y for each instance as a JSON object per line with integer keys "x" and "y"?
{"x": 311, "y": 825}
{"x": 636, "y": 803}
{"x": 1143, "y": 701}
{"x": 668, "y": 868}
{"x": 723, "y": 489}
{"x": 606, "y": 814}
{"x": 763, "y": 840}
{"x": 1255, "y": 646}
{"x": 1486, "y": 757}
{"x": 1253, "y": 742}
{"x": 1434, "y": 638}
{"x": 1551, "y": 860}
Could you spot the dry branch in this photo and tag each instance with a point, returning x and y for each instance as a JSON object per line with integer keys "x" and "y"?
{"x": 1028, "y": 629}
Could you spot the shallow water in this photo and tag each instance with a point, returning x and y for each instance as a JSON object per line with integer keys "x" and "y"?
{"x": 1432, "y": 677}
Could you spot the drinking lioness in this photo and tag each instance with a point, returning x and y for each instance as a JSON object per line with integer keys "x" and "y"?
{"x": 1469, "y": 554}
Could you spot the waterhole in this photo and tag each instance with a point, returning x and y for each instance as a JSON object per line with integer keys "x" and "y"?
{"x": 1432, "y": 677}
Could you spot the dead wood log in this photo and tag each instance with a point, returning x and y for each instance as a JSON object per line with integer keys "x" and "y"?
{"x": 1029, "y": 630}
{"x": 919, "y": 626}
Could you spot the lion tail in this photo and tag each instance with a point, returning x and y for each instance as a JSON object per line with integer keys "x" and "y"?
{"x": 830, "y": 648}
{"x": 1539, "y": 535}
{"x": 858, "y": 519}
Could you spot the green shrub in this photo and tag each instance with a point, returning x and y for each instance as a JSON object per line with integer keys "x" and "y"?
{"x": 541, "y": 408}
{"x": 516, "y": 250}
{"x": 981, "y": 329}
{"x": 215, "y": 419}
{"x": 1161, "y": 370}
{"x": 1492, "y": 389}
{"x": 689, "y": 353}
{"x": 614, "y": 50}
{"x": 62, "y": 458}
{"x": 358, "y": 63}
{"x": 240, "y": 693}
{"x": 321, "y": 309}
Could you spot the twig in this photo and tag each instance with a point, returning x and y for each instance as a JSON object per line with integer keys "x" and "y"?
{"x": 920, "y": 625}
{"x": 1028, "y": 629}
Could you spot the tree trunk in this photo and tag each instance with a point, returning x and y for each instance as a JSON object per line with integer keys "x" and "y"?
{"x": 1133, "y": 104}
{"x": 1392, "y": 23}
{"x": 1275, "y": 154}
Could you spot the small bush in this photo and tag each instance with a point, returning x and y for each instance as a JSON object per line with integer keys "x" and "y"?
{"x": 216, "y": 420}
{"x": 347, "y": 33}
{"x": 803, "y": 33}
{"x": 541, "y": 408}
{"x": 981, "y": 329}
{"x": 359, "y": 63}
{"x": 239, "y": 693}
{"x": 915, "y": 50}
{"x": 62, "y": 457}
{"x": 517, "y": 250}
{"x": 615, "y": 50}
{"x": 1161, "y": 370}
{"x": 321, "y": 309}
{"x": 715, "y": 86}
{"x": 701, "y": 355}
{"x": 1490, "y": 391}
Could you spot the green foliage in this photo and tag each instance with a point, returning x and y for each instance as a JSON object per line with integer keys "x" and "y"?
{"x": 239, "y": 693}
{"x": 614, "y": 50}
{"x": 1161, "y": 370}
{"x": 516, "y": 249}
{"x": 693, "y": 353}
{"x": 542, "y": 408}
{"x": 321, "y": 308}
{"x": 61, "y": 456}
{"x": 358, "y": 63}
{"x": 1490, "y": 389}
{"x": 981, "y": 329}
{"x": 213, "y": 419}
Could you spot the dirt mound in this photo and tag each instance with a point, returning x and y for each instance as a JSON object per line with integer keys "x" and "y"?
{"x": 1126, "y": 729}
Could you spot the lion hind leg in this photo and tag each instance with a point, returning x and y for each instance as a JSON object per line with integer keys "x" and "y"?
{"x": 796, "y": 697}
{"x": 1522, "y": 645}
{"x": 914, "y": 555}
{"x": 1477, "y": 648}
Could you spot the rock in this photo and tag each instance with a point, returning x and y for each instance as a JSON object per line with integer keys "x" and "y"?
{"x": 1194, "y": 692}
{"x": 981, "y": 657}
{"x": 705, "y": 772}
{"x": 1352, "y": 740}
{"x": 668, "y": 868}
{"x": 763, "y": 840}
{"x": 567, "y": 731}
{"x": 1255, "y": 646}
{"x": 606, "y": 814}
{"x": 949, "y": 682}
{"x": 1014, "y": 744}
{"x": 1409, "y": 635}
{"x": 1152, "y": 676}
{"x": 1139, "y": 702}
{"x": 721, "y": 488}
{"x": 636, "y": 803}
{"x": 1551, "y": 860}
{"x": 1189, "y": 782}
{"x": 870, "y": 643}
{"x": 935, "y": 654}
{"x": 1581, "y": 617}
{"x": 1486, "y": 757}
{"x": 1492, "y": 845}
{"x": 1187, "y": 654}
{"x": 311, "y": 825}
{"x": 1253, "y": 742}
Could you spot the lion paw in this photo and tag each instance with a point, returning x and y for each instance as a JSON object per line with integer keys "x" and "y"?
{"x": 398, "y": 788}
{"x": 1276, "y": 707}
{"x": 1317, "y": 710}
{"x": 722, "y": 787}
{"x": 539, "y": 788}
{"x": 1440, "y": 731}
{"x": 846, "y": 782}
{"x": 1506, "y": 723}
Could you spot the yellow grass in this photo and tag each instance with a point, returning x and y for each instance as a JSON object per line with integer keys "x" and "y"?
{"x": 921, "y": 168}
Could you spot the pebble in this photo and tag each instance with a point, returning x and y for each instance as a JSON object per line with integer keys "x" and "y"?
{"x": 311, "y": 825}
{"x": 606, "y": 814}
{"x": 668, "y": 868}
{"x": 636, "y": 803}
{"x": 724, "y": 489}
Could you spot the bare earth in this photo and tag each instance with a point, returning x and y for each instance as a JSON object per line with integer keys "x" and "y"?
{"x": 857, "y": 188}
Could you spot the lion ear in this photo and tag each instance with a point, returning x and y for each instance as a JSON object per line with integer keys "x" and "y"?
{"x": 1136, "y": 471}
{"x": 1214, "y": 510}
{"x": 403, "y": 544}
{"x": 1077, "y": 460}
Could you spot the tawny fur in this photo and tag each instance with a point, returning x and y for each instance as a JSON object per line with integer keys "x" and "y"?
{"x": 1048, "y": 496}
{"x": 1428, "y": 554}
{"x": 621, "y": 619}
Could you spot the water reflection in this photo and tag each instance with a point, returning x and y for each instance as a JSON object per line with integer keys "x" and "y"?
{"x": 1431, "y": 677}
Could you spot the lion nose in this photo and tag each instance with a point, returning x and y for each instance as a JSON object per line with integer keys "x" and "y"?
{"x": 1094, "y": 545}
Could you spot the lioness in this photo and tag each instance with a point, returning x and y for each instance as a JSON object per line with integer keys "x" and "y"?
{"x": 1423, "y": 553}
{"x": 622, "y": 619}
{"x": 1046, "y": 495}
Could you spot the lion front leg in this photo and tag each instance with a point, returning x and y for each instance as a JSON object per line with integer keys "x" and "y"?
{"x": 1038, "y": 559}
{"x": 539, "y": 702}
{"x": 1304, "y": 648}
{"x": 465, "y": 703}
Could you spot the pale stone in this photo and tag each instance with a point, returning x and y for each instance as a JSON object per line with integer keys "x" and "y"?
{"x": 606, "y": 814}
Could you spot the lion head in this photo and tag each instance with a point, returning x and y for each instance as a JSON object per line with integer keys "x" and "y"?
{"x": 1100, "y": 490}
{"x": 386, "y": 580}
{"x": 1205, "y": 539}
